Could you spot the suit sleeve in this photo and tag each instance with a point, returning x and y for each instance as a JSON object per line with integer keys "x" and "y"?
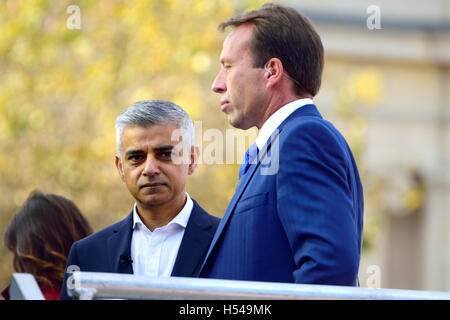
{"x": 315, "y": 205}
{"x": 72, "y": 260}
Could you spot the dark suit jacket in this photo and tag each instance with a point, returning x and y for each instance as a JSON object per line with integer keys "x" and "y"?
{"x": 302, "y": 224}
{"x": 103, "y": 251}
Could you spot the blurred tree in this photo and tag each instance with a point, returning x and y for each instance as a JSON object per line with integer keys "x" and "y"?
{"x": 61, "y": 90}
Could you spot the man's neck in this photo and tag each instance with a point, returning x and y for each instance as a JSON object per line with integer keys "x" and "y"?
{"x": 158, "y": 216}
{"x": 277, "y": 103}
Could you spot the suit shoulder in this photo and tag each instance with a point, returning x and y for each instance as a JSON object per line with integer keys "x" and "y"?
{"x": 214, "y": 220}
{"x": 310, "y": 125}
{"x": 205, "y": 216}
{"x": 101, "y": 235}
{"x": 313, "y": 131}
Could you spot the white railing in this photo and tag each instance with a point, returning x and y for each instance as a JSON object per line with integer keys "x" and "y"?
{"x": 23, "y": 286}
{"x": 93, "y": 285}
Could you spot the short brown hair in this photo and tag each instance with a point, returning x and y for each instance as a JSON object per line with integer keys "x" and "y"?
{"x": 284, "y": 33}
{"x": 41, "y": 234}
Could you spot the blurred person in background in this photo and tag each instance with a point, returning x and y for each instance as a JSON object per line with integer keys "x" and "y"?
{"x": 40, "y": 236}
{"x": 166, "y": 233}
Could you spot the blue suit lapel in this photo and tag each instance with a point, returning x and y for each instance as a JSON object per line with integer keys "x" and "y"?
{"x": 307, "y": 110}
{"x": 119, "y": 243}
{"x": 195, "y": 242}
{"x": 240, "y": 188}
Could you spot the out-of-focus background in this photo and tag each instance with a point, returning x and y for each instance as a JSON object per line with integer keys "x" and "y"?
{"x": 386, "y": 87}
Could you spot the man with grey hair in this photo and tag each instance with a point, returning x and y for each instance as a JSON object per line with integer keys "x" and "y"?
{"x": 167, "y": 233}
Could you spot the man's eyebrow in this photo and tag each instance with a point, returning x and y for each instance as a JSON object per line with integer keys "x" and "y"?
{"x": 164, "y": 148}
{"x": 133, "y": 151}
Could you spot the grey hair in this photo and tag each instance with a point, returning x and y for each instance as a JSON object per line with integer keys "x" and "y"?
{"x": 149, "y": 112}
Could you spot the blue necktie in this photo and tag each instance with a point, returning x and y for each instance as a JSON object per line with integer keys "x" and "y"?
{"x": 251, "y": 156}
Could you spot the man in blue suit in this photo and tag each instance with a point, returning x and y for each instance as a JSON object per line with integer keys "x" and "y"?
{"x": 167, "y": 233}
{"x": 297, "y": 212}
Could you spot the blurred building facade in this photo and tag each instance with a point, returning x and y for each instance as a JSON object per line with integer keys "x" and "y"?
{"x": 404, "y": 47}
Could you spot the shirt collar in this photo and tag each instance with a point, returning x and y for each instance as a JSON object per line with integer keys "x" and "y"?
{"x": 277, "y": 118}
{"x": 181, "y": 218}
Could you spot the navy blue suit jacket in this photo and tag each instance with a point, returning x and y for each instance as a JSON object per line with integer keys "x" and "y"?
{"x": 102, "y": 251}
{"x": 303, "y": 223}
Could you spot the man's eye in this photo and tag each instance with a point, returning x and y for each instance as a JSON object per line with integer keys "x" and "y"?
{"x": 226, "y": 67}
{"x": 135, "y": 158}
{"x": 165, "y": 155}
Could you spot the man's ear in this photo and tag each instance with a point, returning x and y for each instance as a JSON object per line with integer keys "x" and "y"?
{"x": 119, "y": 167}
{"x": 194, "y": 157}
{"x": 274, "y": 74}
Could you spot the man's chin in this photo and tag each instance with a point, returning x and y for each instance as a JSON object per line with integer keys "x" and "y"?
{"x": 238, "y": 123}
{"x": 152, "y": 201}
{"x": 234, "y": 121}
{"x": 153, "y": 196}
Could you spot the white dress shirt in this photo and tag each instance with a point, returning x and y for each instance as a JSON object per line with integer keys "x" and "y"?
{"x": 277, "y": 118}
{"x": 154, "y": 253}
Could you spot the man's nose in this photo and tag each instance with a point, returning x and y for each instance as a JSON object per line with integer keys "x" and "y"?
{"x": 219, "y": 85}
{"x": 151, "y": 167}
